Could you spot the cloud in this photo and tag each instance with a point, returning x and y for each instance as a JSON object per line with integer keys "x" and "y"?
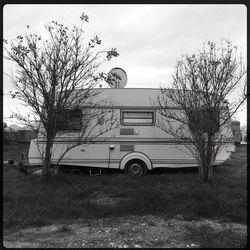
{"x": 149, "y": 38}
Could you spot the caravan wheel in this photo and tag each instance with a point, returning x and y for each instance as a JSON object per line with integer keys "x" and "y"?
{"x": 136, "y": 168}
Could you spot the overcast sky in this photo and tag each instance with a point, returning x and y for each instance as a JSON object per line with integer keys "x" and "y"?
{"x": 149, "y": 38}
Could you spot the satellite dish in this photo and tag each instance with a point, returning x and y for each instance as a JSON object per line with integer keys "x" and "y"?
{"x": 117, "y": 78}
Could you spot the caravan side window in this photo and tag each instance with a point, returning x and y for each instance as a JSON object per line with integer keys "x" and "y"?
{"x": 70, "y": 119}
{"x": 205, "y": 120}
{"x": 136, "y": 117}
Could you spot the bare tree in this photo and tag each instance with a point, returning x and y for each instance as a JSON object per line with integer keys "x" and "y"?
{"x": 201, "y": 86}
{"x": 50, "y": 72}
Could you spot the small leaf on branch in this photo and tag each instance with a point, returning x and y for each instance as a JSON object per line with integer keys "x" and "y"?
{"x": 112, "y": 53}
{"x": 98, "y": 41}
{"x": 84, "y": 17}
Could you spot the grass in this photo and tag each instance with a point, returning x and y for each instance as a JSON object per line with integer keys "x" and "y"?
{"x": 208, "y": 237}
{"x": 27, "y": 201}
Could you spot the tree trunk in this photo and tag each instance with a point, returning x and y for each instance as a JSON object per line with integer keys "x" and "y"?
{"x": 201, "y": 171}
{"x": 206, "y": 170}
{"x": 47, "y": 160}
{"x": 206, "y": 174}
{"x": 211, "y": 169}
{"x": 206, "y": 160}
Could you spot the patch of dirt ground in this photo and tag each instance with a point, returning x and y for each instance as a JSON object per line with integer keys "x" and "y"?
{"x": 123, "y": 232}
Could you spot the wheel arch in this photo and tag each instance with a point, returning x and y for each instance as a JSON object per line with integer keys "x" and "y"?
{"x": 135, "y": 156}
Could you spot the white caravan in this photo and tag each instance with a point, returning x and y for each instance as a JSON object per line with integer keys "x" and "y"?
{"x": 136, "y": 145}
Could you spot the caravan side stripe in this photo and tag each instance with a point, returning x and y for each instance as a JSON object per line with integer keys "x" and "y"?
{"x": 154, "y": 161}
{"x": 138, "y": 142}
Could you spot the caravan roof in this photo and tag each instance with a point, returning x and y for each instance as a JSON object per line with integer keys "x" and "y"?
{"x": 137, "y": 97}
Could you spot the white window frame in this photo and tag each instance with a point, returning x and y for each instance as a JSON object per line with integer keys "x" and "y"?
{"x": 137, "y": 123}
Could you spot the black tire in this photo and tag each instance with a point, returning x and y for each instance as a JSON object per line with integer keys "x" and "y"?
{"x": 136, "y": 168}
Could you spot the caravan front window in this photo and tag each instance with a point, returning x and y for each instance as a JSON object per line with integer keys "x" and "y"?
{"x": 132, "y": 117}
